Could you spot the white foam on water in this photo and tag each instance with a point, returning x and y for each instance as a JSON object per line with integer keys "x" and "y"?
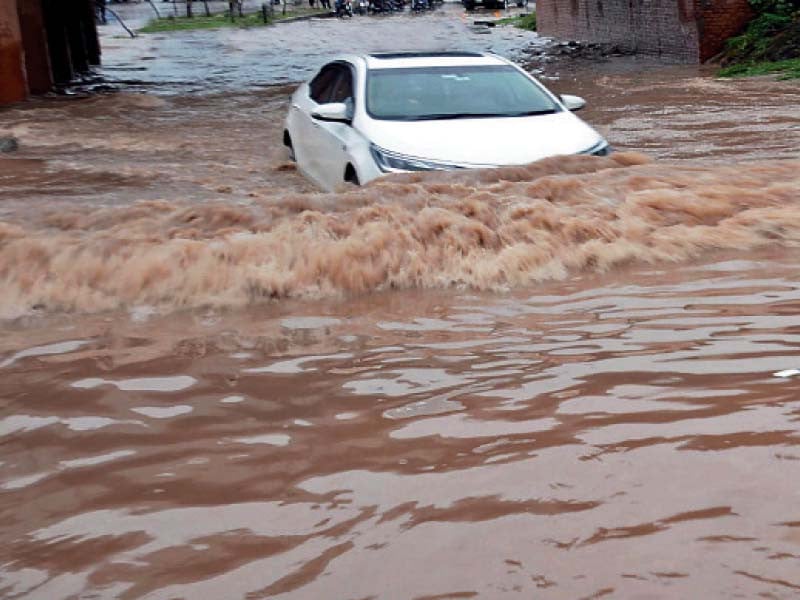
{"x": 99, "y": 459}
{"x": 232, "y": 399}
{"x": 48, "y": 350}
{"x": 175, "y": 383}
{"x": 22, "y": 482}
{"x": 295, "y": 365}
{"x": 163, "y": 412}
{"x": 346, "y": 416}
{"x": 309, "y": 322}
{"x": 273, "y": 439}
{"x": 23, "y": 423}
{"x": 787, "y": 373}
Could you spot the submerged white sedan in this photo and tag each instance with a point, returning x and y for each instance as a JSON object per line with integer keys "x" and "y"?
{"x": 364, "y": 116}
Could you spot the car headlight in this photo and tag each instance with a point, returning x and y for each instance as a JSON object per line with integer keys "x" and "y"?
{"x": 601, "y": 148}
{"x": 392, "y": 162}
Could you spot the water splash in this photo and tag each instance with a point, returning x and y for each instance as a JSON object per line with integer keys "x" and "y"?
{"x": 487, "y": 230}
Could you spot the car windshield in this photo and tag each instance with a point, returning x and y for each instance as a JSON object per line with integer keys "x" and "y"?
{"x": 427, "y": 93}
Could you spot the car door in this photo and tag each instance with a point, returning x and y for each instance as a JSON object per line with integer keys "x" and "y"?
{"x": 336, "y": 137}
{"x": 306, "y": 134}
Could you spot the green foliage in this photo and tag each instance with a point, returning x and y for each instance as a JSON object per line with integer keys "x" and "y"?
{"x": 753, "y": 43}
{"x": 768, "y": 25}
{"x": 200, "y": 22}
{"x": 171, "y": 23}
{"x": 770, "y": 44}
{"x": 527, "y": 22}
{"x": 788, "y": 69}
{"x": 776, "y": 7}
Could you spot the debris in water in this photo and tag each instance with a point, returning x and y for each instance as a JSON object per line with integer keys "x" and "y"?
{"x": 8, "y": 144}
{"x": 787, "y": 373}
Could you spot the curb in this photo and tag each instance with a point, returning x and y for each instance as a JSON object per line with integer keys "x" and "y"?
{"x": 322, "y": 15}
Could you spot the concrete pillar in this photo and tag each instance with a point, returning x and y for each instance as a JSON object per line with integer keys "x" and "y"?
{"x": 34, "y": 41}
{"x": 76, "y": 37}
{"x": 60, "y": 59}
{"x": 13, "y": 85}
{"x": 90, "y": 37}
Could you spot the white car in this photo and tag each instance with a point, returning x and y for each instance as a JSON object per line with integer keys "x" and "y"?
{"x": 364, "y": 116}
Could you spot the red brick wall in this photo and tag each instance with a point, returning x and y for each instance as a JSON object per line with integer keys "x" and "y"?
{"x": 719, "y": 20}
{"x": 34, "y": 42}
{"x": 685, "y": 30}
{"x": 13, "y": 86}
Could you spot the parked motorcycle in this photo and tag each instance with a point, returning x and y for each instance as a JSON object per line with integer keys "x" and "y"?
{"x": 344, "y": 8}
{"x": 385, "y": 6}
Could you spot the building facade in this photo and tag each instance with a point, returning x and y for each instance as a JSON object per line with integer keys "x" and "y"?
{"x": 689, "y": 31}
{"x": 43, "y": 44}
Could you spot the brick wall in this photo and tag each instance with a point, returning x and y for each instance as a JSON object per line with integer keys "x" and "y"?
{"x": 44, "y": 42}
{"x": 34, "y": 42}
{"x": 718, "y": 20}
{"x": 683, "y": 30}
{"x": 13, "y": 86}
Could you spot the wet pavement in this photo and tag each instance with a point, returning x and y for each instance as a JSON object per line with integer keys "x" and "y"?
{"x": 238, "y": 59}
{"x": 570, "y": 380}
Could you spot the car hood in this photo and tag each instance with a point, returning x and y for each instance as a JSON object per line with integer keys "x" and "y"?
{"x": 486, "y": 141}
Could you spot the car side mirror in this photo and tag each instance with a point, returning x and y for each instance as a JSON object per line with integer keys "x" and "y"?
{"x": 332, "y": 111}
{"x": 573, "y": 102}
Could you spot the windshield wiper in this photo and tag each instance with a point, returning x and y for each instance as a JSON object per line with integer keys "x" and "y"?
{"x": 530, "y": 113}
{"x": 445, "y": 116}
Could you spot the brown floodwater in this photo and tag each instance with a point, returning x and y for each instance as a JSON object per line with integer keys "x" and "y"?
{"x": 575, "y": 379}
{"x": 633, "y": 434}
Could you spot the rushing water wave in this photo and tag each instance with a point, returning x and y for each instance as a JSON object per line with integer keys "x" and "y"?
{"x": 486, "y": 230}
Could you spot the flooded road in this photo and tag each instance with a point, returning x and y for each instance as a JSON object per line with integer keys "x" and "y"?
{"x": 575, "y": 379}
{"x": 684, "y": 113}
{"x": 237, "y": 59}
{"x": 624, "y": 434}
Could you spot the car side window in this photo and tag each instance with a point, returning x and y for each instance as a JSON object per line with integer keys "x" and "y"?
{"x": 322, "y": 85}
{"x": 344, "y": 86}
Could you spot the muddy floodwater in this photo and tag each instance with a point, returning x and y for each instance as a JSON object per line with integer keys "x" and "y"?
{"x": 574, "y": 379}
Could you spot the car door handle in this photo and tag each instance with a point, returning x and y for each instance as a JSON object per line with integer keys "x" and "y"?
{"x": 296, "y": 106}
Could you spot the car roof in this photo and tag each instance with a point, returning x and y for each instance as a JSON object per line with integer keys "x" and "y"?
{"x": 402, "y": 60}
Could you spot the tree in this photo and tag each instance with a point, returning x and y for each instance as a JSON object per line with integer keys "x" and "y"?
{"x": 776, "y": 7}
